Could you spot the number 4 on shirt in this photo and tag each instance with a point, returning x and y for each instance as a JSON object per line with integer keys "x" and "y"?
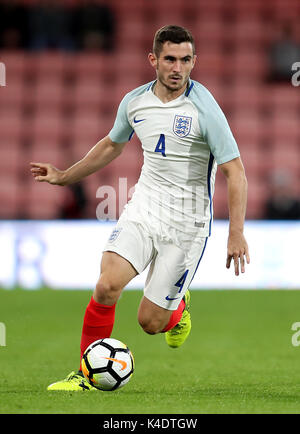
{"x": 161, "y": 145}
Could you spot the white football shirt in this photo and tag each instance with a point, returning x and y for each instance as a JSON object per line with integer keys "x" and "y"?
{"x": 183, "y": 140}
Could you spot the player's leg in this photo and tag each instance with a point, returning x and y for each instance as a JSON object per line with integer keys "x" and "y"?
{"x": 155, "y": 319}
{"x": 162, "y": 306}
{"x": 127, "y": 252}
{"x": 165, "y": 306}
{"x": 175, "y": 336}
{"x": 99, "y": 316}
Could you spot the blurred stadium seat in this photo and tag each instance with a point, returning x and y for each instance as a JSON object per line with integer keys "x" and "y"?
{"x": 89, "y": 127}
{"x": 48, "y": 95}
{"x": 10, "y": 194}
{"x": 48, "y": 65}
{"x": 91, "y": 66}
{"x": 12, "y": 160}
{"x": 47, "y": 126}
{"x": 220, "y": 197}
{"x": 15, "y": 63}
{"x": 11, "y": 124}
{"x": 246, "y": 125}
{"x": 42, "y": 200}
{"x": 254, "y": 157}
{"x": 12, "y": 96}
{"x": 89, "y": 95}
{"x": 257, "y": 196}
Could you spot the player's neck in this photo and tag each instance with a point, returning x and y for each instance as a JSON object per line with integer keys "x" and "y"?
{"x": 165, "y": 94}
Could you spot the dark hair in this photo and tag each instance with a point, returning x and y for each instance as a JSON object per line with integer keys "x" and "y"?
{"x": 171, "y": 33}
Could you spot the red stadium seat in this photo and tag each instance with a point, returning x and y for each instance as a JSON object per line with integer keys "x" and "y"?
{"x": 90, "y": 95}
{"x": 15, "y": 65}
{"x": 220, "y": 197}
{"x": 209, "y": 31}
{"x": 210, "y": 63}
{"x": 132, "y": 34}
{"x": 121, "y": 168}
{"x": 89, "y": 129}
{"x": 249, "y": 65}
{"x": 213, "y": 84}
{"x": 93, "y": 66}
{"x": 129, "y": 62}
{"x": 10, "y": 196}
{"x": 283, "y": 97}
{"x": 45, "y": 126}
{"x": 12, "y": 160}
{"x": 286, "y": 127}
{"x": 257, "y": 195}
{"x": 247, "y": 96}
{"x": 120, "y": 89}
{"x": 48, "y": 64}
{"x": 79, "y": 148}
{"x": 11, "y": 125}
{"x": 246, "y": 9}
{"x": 12, "y": 96}
{"x": 43, "y": 200}
{"x": 168, "y": 16}
{"x": 285, "y": 157}
{"x": 47, "y": 96}
{"x": 246, "y": 126}
{"x": 285, "y": 10}
{"x": 254, "y": 158}
{"x": 53, "y": 156}
{"x": 215, "y": 6}
{"x": 124, "y": 10}
{"x": 249, "y": 32}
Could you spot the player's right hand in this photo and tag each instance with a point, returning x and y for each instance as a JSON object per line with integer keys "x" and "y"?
{"x": 44, "y": 172}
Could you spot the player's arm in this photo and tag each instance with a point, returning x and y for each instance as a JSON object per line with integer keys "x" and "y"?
{"x": 99, "y": 156}
{"x": 237, "y": 247}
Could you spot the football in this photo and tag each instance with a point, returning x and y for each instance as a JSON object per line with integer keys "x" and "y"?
{"x": 107, "y": 364}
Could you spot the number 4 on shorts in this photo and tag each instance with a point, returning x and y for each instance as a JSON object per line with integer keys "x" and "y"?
{"x": 161, "y": 145}
{"x": 181, "y": 281}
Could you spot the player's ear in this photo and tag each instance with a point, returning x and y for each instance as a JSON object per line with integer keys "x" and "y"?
{"x": 153, "y": 60}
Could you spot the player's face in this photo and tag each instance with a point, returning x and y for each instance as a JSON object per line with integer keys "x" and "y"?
{"x": 174, "y": 65}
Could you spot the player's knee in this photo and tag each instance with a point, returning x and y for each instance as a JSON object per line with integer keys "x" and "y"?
{"x": 150, "y": 325}
{"x": 106, "y": 292}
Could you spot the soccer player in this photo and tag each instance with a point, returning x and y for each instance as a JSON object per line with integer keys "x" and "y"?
{"x": 166, "y": 224}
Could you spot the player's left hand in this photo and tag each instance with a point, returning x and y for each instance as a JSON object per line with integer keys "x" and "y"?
{"x": 237, "y": 250}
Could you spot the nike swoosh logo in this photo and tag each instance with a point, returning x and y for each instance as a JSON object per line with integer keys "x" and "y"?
{"x": 124, "y": 364}
{"x": 136, "y": 121}
{"x": 168, "y": 298}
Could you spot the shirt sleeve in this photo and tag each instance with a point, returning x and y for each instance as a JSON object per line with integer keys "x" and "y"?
{"x": 122, "y": 130}
{"x": 218, "y": 134}
{"x": 214, "y": 127}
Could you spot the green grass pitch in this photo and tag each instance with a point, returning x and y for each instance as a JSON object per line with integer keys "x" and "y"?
{"x": 239, "y": 357}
